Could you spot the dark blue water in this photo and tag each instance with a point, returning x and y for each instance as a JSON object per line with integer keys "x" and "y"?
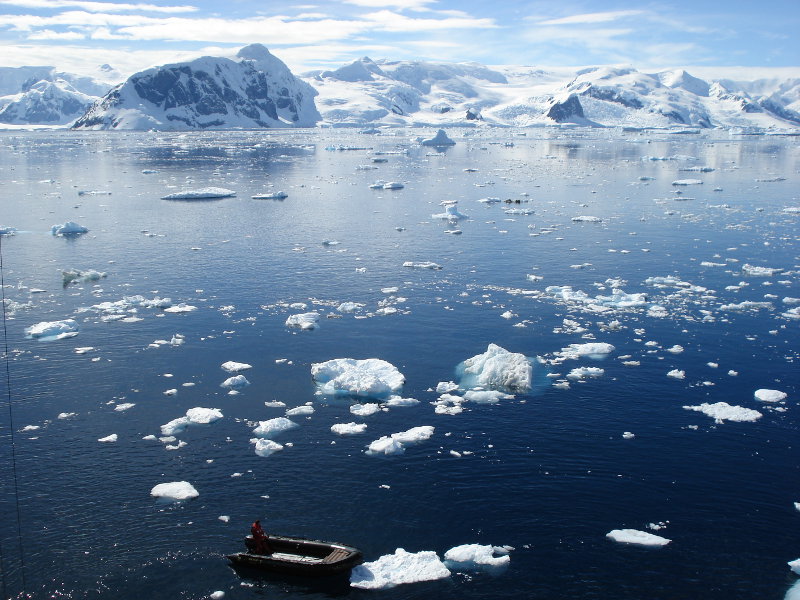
{"x": 549, "y": 472}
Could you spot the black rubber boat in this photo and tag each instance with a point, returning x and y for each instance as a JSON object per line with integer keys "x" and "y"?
{"x": 298, "y": 556}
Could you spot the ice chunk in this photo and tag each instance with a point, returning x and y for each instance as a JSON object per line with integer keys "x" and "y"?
{"x": 590, "y": 350}
{"x": 486, "y": 396}
{"x": 300, "y": 411}
{"x": 270, "y": 196}
{"x": 265, "y": 447}
{"x": 203, "y": 416}
{"x": 765, "y": 395}
{"x": 234, "y": 367}
{"x": 475, "y": 555}
{"x": 8, "y": 230}
{"x": 219, "y": 594}
{"x": 74, "y": 275}
{"x": 587, "y": 219}
{"x": 582, "y": 372}
{"x": 722, "y": 411}
{"x": 272, "y": 427}
{"x": 235, "y": 382}
{"x": 393, "y": 185}
{"x": 497, "y": 369}
{"x": 634, "y": 536}
{"x": 676, "y": 349}
{"x": 677, "y": 374}
{"x": 68, "y": 228}
{"x": 124, "y": 406}
{"x": 422, "y": 265}
{"x": 685, "y": 182}
{"x": 398, "y": 568}
{"x": 756, "y": 271}
{"x": 182, "y": 307}
{"x": 174, "y": 490}
{"x": 365, "y": 410}
{"x": 440, "y": 139}
{"x": 57, "y": 330}
{"x": 794, "y": 565}
{"x": 397, "y": 442}
{"x": 398, "y": 401}
{"x": 200, "y": 194}
{"x": 109, "y": 438}
{"x": 305, "y": 321}
{"x": 348, "y": 428}
{"x": 445, "y": 387}
{"x": 371, "y": 377}
{"x": 349, "y": 307}
{"x": 450, "y": 212}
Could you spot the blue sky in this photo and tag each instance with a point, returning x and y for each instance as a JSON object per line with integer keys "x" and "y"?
{"x": 306, "y": 35}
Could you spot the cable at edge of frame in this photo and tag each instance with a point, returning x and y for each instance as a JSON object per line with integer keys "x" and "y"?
{"x": 11, "y": 422}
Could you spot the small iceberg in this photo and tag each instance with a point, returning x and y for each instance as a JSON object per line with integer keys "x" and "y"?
{"x": 450, "y": 212}
{"x": 423, "y": 265}
{"x": 304, "y": 321}
{"x": 265, "y": 447}
{"x": 587, "y": 219}
{"x": 207, "y": 193}
{"x": 174, "y": 491}
{"x": 393, "y": 185}
{"x": 272, "y": 427}
{"x": 235, "y": 382}
{"x": 271, "y": 196}
{"x": 397, "y": 442}
{"x": 69, "y": 228}
{"x": 55, "y": 330}
{"x": 685, "y": 182}
{"x": 765, "y": 395}
{"x": 634, "y": 536}
{"x": 398, "y": 568}
{"x": 74, "y": 275}
{"x": 348, "y": 428}
{"x": 7, "y": 230}
{"x": 496, "y": 369}
{"x": 371, "y": 377}
{"x": 440, "y": 139}
{"x": 232, "y": 366}
{"x": 476, "y": 556}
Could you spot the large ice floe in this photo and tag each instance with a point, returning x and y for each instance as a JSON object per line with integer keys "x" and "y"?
{"x": 174, "y": 491}
{"x": 496, "y": 369}
{"x": 440, "y": 139}
{"x": 194, "y": 416}
{"x": 53, "y": 330}
{"x": 398, "y": 568}
{"x": 68, "y": 228}
{"x": 765, "y": 395}
{"x": 722, "y": 411}
{"x": 371, "y": 377}
{"x": 634, "y": 536}
{"x": 396, "y": 443}
{"x": 207, "y": 193}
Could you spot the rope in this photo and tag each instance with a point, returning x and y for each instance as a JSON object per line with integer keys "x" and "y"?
{"x": 11, "y": 424}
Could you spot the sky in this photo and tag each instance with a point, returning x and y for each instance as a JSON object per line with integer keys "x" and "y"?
{"x": 79, "y": 35}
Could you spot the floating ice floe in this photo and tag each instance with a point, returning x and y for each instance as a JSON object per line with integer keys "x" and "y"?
{"x": 109, "y": 438}
{"x": 271, "y": 196}
{"x": 348, "y": 428}
{"x": 272, "y": 427}
{"x": 55, "y": 330}
{"x": 756, "y": 271}
{"x": 472, "y": 556}
{"x": 68, "y": 228}
{"x": 583, "y": 372}
{"x": 497, "y": 369}
{"x": 304, "y": 321}
{"x": 124, "y": 406}
{"x": 589, "y": 350}
{"x": 207, "y": 193}
{"x": 722, "y": 411}
{"x": 74, "y": 275}
{"x": 794, "y": 565}
{"x": 365, "y": 410}
{"x": 194, "y": 416}
{"x": 765, "y": 395}
{"x": 9, "y": 231}
{"x": 587, "y": 219}
{"x": 181, "y": 307}
{"x": 174, "y": 490}
{"x": 634, "y": 536}
{"x": 300, "y": 411}
{"x": 396, "y": 443}
{"x": 450, "y": 212}
{"x": 440, "y": 139}
{"x": 235, "y": 382}
{"x": 349, "y": 307}
{"x": 422, "y": 265}
{"x": 265, "y": 447}
{"x": 486, "y": 396}
{"x": 392, "y": 185}
{"x": 677, "y": 374}
{"x": 684, "y": 182}
{"x": 617, "y": 300}
{"x": 371, "y": 377}
{"x": 234, "y": 367}
{"x": 398, "y": 568}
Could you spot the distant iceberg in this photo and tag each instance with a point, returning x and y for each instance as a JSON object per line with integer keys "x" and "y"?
{"x": 450, "y": 212}
{"x": 208, "y": 193}
{"x": 56, "y": 330}
{"x": 440, "y": 139}
{"x": 68, "y": 228}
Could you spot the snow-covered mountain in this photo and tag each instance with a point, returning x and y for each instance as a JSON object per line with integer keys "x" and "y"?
{"x": 46, "y": 96}
{"x": 253, "y": 91}
{"x": 419, "y": 93}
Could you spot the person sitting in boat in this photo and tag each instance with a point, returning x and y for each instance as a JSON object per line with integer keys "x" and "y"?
{"x": 260, "y": 538}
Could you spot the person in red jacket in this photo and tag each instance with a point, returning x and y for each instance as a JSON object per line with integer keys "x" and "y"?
{"x": 260, "y": 538}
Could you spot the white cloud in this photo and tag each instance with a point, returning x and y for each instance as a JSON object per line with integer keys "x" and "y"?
{"x": 386, "y": 20}
{"x": 49, "y": 34}
{"x": 398, "y": 4}
{"x": 97, "y": 6}
{"x": 598, "y": 17}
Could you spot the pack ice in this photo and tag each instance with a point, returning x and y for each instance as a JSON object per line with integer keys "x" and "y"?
{"x": 398, "y": 568}
{"x": 371, "y": 377}
{"x": 496, "y": 369}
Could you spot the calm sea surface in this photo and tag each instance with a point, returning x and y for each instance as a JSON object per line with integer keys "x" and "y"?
{"x": 548, "y": 472}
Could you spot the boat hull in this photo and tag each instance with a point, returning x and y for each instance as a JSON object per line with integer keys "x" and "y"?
{"x": 299, "y": 556}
